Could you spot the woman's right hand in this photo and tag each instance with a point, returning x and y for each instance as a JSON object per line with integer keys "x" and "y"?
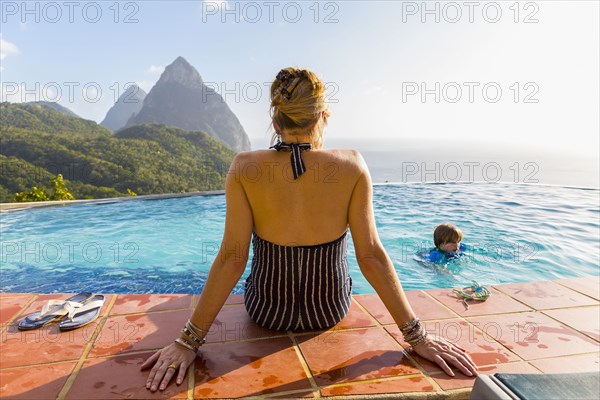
{"x": 442, "y": 352}
{"x": 160, "y": 375}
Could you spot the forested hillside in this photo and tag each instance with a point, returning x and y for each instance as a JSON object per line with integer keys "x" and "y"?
{"x": 37, "y": 143}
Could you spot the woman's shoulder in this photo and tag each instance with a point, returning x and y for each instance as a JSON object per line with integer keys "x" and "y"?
{"x": 350, "y": 156}
{"x": 350, "y": 153}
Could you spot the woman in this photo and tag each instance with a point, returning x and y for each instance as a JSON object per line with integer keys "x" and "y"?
{"x": 297, "y": 204}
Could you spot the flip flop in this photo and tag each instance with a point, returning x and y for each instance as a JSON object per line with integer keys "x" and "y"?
{"x": 53, "y": 311}
{"x": 83, "y": 315}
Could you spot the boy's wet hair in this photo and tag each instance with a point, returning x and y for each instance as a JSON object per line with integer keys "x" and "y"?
{"x": 446, "y": 233}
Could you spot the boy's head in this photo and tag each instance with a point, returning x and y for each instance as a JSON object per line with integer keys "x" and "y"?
{"x": 447, "y": 237}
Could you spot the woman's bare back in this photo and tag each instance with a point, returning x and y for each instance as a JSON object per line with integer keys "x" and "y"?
{"x": 307, "y": 211}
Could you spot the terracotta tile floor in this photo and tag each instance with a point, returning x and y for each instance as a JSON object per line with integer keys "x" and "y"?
{"x": 540, "y": 327}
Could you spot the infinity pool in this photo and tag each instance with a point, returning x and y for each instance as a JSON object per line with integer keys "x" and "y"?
{"x": 515, "y": 233}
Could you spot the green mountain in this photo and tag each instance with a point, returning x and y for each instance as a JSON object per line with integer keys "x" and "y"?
{"x": 37, "y": 144}
{"x": 181, "y": 99}
{"x": 51, "y": 105}
{"x": 45, "y": 119}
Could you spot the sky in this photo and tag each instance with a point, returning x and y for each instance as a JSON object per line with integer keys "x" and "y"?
{"x": 506, "y": 74}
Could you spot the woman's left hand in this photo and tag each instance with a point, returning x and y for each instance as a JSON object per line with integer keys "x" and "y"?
{"x": 442, "y": 352}
{"x": 173, "y": 356}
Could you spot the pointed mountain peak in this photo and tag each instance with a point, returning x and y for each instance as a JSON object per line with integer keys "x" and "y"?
{"x": 183, "y": 72}
{"x": 133, "y": 93}
{"x": 182, "y": 61}
{"x": 134, "y": 89}
{"x": 128, "y": 104}
{"x": 179, "y": 100}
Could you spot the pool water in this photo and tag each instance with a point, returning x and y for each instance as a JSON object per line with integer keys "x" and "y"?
{"x": 514, "y": 233}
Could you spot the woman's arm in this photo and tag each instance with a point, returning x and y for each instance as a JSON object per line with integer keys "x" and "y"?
{"x": 224, "y": 274}
{"x": 230, "y": 263}
{"x": 379, "y": 271}
{"x": 372, "y": 258}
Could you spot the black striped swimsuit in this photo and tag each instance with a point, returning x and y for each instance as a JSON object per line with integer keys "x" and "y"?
{"x": 298, "y": 287}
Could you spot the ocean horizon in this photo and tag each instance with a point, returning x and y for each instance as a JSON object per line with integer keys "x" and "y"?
{"x": 406, "y": 166}
{"x": 412, "y": 161}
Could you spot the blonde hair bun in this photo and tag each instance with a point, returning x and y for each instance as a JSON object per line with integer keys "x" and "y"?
{"x": 297, "y": 100}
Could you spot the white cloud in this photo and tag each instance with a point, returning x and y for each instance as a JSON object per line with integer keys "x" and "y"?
{"x": 155, "y": 69}
{"x": 7, "y": 48}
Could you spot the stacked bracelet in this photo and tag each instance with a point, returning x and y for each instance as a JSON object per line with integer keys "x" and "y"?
{"x": 192, "y": 340}
{"x": 186, "y": 344}
{"x": 413, "y": 332}
{"x": 190, "y": 324}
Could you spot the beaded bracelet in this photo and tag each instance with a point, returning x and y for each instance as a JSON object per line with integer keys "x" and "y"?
{"x": 418, "y": 340}
{"x": 413, "y": 332}
{"x": 409, "y": 325}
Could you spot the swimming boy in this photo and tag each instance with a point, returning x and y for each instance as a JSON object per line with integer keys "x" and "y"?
{"x": 447, "y": 239}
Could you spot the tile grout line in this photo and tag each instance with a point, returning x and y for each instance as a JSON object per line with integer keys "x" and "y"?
{"x": 437, "y": 388}
{"x": 464, "y": 317}
{"x": 570, "y": 326}
{"x": 548, "y": 358}
{"x": 363, "y": 308}
{"x": 168, "y": 310}
{"x": 142, "y": 313}
{"x": 332, "y": 330}
{"x": 554, "y": 308}
{"x": 39, "y": 364}
{"x": 293, "y": 337}
{"x": 575, "y": 290}
{"x": 18, "y": 314}
{"x": 427, "y": 375}
{"x": 565, "y": 356}
{"x": 484, "y": 334}
{"x": 191, "y": 381}
{"x": 515, "y": 299}
{"x": 155, "y": 349}
{"x": 282, "y": 393}
{"x": 534, "y": 367}
{"x": 129, "y": 353}
{"x": 381, "y": 326}
{"x": 304, "y": 364}
{"x": 487, "y": 336}
{"x": 433, "y": 383}
{"x": 531, "y": 309}
{"x": 71, "y": 379}
{"x": 440, "y": 303}
{"x": 373, "y": 380}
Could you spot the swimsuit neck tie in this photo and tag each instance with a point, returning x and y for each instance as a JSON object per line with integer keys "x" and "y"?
{"x": 298, "y": 167}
